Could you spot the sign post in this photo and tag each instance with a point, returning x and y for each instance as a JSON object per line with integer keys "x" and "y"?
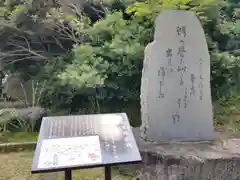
{"x": 68, "y": 143}
{"x": 68, "y": 174}
{"x": 107, "y": 171}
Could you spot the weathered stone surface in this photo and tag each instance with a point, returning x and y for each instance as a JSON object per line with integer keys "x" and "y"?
{"x": 175, "y": 90}
{"x": 213, "y": 160}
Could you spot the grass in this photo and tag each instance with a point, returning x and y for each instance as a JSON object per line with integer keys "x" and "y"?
{"x": 17, "y": 166}
{"x": 6, "y": 137}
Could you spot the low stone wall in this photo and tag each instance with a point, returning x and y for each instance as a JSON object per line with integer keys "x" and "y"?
{"x": 217, "y": 160}
{"x": 7, "y": 104}
{"x": 17, "y": 147}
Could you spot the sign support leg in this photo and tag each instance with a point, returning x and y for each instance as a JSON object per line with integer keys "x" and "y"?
{"x": 68, "y": 175}
{"x": 107, "y": 171}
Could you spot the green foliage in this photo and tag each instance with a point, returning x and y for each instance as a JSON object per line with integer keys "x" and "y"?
{"x": 148, "y": 10}
{"x": 122, "y": 52}
{"x": 86, "y": 70}
{"x": 93, "y": 59}
{"x": 223, "y": 80}
{"x": 55, "y": 93}
{"x": 115, "y": 52}
{"x": 226, "y": 113}
{"x": 112, "y": 58}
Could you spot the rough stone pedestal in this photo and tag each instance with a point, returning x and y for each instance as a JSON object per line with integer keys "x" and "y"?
{"x": 216, "y": 160}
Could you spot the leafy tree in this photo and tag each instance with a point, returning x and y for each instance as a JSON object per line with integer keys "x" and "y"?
{"x": 91, "y": 52}
{"x": 113, "y": 55}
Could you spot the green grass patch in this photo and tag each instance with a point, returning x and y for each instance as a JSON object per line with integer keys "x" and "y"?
{"x": 16, "y": 137}
{"x": 17, "y": 166}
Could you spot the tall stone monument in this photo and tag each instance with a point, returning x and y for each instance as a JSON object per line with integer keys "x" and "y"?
{"x": 175, "y": 91}
{"x": 176, "y": 106}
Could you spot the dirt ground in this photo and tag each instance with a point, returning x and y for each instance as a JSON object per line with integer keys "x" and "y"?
{"x": 17, "y": 166}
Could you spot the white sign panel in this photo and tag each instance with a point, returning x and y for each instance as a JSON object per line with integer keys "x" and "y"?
{"x": 70, "y": 152}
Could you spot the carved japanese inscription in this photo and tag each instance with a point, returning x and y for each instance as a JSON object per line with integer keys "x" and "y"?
{"x": 175, "y": 90}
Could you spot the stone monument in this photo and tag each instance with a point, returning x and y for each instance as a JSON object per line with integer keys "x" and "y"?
{"x": 175, "y": 91}
{"x": 176, "y": 138}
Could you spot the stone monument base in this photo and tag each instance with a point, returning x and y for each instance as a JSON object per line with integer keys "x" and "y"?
{"x": 215, "y": 160}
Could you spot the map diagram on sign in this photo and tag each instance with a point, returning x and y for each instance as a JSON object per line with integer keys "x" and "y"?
{"x": 73, "y": 151}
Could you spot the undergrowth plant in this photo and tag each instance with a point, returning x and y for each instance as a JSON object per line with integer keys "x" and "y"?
{"x": 10, "y": 119}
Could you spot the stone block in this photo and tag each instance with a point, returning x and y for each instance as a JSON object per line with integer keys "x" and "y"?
{"x": 206, "y": 160}
{"x": 175, "y": 86}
